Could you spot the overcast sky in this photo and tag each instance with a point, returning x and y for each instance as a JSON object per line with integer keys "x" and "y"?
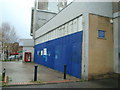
{"x": 18, "y": 14}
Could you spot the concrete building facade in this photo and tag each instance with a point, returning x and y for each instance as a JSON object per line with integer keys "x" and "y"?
{"x": 84, "y": 32}
{"x": 116, "y": 28}
{"x": 40, "y": 15}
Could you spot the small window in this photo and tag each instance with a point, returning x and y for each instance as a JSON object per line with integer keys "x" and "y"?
{"x": 101, "y": 34}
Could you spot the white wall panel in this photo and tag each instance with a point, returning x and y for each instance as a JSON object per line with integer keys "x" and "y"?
{"x": 59, "y": 32}
{"x": 48, "y": 36}
{"x": 63, "y": 28}
{"x": 55, "y": 33}
{"x": 51, "y": 35}
{"x": 66, "y": 29}
{"x": 75, "y": 29}
{"x": 45, "y": 37}
{"x": 80, "y": 24}
{"x": 69, "y": 28}
{"x": 41, "y": 39}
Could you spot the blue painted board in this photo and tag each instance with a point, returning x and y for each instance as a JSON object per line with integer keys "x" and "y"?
{"x": 65, "y": 50}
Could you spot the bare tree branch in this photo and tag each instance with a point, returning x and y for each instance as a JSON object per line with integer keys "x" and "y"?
{"x": 8, "y": 37}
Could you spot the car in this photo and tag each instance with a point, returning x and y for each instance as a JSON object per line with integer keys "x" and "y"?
{"x": 11, "y": 57}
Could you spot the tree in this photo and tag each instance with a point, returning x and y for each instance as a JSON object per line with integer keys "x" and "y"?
{"x": 8, "y": 36}
{"x": 8, "y": 32}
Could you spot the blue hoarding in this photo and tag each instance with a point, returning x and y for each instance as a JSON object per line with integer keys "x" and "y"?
{"x": 65, "y": 50}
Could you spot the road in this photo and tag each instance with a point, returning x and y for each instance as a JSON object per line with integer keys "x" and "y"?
{"x": 104, "y": 83}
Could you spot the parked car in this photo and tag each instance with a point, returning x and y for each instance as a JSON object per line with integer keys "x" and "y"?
{"x": 12, "y": 57}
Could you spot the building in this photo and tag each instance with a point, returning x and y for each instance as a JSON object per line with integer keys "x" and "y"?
{"x": 41, "y": 13}
{"x": 10, "y": 49}
{"x": 20, "y": 51}
{"x": 80, "y": 36}
{"x": 40, "y": 18}
{"x": 27, "y": 46}
{"x": 116, "y": 27}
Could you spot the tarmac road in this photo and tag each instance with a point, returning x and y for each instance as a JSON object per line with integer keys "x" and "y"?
{"x": 104, "y": 83}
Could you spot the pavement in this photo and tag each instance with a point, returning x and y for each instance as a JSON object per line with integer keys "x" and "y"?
{"x": 22, "y": 73}
{"x": 104, "y": 83}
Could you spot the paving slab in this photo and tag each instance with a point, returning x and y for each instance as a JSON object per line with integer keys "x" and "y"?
{"x": 21, "y": 72}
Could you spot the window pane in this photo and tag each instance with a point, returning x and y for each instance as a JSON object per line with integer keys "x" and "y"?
{"x": 101, "y": 34}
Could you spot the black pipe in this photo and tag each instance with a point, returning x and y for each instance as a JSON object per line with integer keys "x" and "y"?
{"x": 35, "y": 73}
{"x": 65, "y": 71}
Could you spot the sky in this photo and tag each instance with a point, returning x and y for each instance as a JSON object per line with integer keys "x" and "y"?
{"x": 18, "y": 14}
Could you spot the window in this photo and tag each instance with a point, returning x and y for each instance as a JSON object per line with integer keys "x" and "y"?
{"x": 101, "y": 34}
{"x": 38, "y": 53}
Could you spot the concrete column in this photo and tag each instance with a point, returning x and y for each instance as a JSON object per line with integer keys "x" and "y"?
{"x": 116, "y": 29}
{"x": 85, "y": 46}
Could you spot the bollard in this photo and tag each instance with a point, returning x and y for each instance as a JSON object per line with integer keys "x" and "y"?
{"x": 65, "y": 71}
{"x": 35, "y": 73}
{"x": 6, "y": 79}
{"x": 3, "y": 74}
